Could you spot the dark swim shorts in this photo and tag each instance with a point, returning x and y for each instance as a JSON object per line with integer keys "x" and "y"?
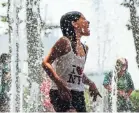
{"x": 59, "y": 105}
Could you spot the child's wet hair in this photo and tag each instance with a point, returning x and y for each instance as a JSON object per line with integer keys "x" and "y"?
{"x": 66, "y": 24}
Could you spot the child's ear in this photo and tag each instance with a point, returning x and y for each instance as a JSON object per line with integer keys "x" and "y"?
{"x": 74, "y": 24}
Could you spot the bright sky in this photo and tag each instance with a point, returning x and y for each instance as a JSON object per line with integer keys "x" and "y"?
{"x": 107, "y": 24}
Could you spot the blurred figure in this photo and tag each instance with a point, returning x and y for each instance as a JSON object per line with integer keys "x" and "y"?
{"x": 5, "y": 82}
{"x": 124, "y": 83}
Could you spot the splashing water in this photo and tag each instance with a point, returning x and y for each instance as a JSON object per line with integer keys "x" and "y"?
{"x": 114, "y": 92}
{"x": 35, "y": 92}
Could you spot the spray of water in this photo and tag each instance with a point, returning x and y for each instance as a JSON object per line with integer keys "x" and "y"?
{"x": 114, "y": 92}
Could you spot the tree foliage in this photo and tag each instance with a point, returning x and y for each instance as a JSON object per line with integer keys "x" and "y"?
{"x": 135, "y": 100}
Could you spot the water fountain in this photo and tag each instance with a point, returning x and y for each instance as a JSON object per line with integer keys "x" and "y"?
{"x": 114, "y": 92}
{"x": 17, "y": 45}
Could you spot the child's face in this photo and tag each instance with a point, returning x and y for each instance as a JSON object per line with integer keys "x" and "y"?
{"x": 5, "y": 59}
{"x": 120, "y": 66}
{"x": 82, "y": 26}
